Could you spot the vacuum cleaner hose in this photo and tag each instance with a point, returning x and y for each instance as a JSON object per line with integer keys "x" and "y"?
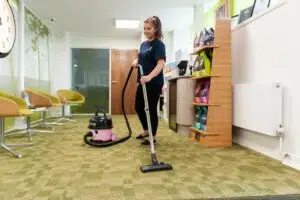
{"x": 106, "y": 144}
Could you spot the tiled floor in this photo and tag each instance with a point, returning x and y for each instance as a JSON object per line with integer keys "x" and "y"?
{"x": 61, "y": 166}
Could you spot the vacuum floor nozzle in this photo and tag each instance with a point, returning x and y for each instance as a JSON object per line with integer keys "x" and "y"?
{"x": 156, "y": 167}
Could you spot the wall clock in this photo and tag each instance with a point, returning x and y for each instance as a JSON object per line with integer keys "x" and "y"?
{"x": 7, "y": 28}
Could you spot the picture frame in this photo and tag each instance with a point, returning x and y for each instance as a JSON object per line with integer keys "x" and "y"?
{"x": 245, "y": 14}
{"x": 260, "y": 5}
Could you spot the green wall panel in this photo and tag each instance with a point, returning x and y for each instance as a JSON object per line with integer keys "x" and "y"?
{"x": 15, "y": 3}
{"x": 209, "y": 16}
{"x": 238, "y": 5}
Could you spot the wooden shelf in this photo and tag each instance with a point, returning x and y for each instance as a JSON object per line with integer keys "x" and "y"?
{"x": 203, "y": 104}
{"x": 203, "y": 132}
{"x": 219, "y": 115}
{"x": 197, "y": 50}
{"x": 203, "y": 77}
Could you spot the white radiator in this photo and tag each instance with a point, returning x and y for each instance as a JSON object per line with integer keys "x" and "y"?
{"x": 258, "y": 107}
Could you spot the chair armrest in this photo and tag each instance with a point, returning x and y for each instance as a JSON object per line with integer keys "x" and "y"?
{"x": 62, "y": 99}
{"x": 20, "y": 102}
{"x": 80, "y": 97}
{"x": 38, "y": 100}
{"x": 53, "y": 99}
{"x": 67, "y": 96}
{"x": 8, "y": 108}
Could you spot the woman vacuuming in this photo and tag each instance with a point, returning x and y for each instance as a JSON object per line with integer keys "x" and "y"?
{"x": 152, "y": 57}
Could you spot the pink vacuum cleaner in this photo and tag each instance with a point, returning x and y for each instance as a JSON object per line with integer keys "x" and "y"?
{"x": 100, "y": 127}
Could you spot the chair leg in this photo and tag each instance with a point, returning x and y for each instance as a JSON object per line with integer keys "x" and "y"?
{"x": 54, "y": 123}
{"x": 29, "y": 128}
{"x": 64, "y": 117}
{"x": 2, "y": 145}
{"x": 44, "y": 124}
{"x": 11, "y": 151}
{"x": 28, "y": 120}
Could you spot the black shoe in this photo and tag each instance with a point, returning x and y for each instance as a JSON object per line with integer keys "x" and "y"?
{"x": 139, "y": 137}
{"x": 147, "y": 142}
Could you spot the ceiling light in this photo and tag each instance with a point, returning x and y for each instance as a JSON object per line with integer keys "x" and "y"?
{"x": 128, "y": 24}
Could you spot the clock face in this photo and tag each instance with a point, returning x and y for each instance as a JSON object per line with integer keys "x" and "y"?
{"x": 7, "y": 28}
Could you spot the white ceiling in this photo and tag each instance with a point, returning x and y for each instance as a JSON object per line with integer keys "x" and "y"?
{"x": 95, "y": 18}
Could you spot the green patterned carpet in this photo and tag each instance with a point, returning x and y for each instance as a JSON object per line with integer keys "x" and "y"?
{"x": 61, "y": 166}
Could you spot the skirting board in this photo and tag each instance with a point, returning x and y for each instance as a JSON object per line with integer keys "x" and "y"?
{"x": 268, "y": 146}
{"x": 292, "y": 161}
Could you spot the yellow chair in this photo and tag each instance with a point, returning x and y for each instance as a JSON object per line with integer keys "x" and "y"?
{"x": 69, "y": 98}
{"x": 12, "y": 106}
{"x": 41, "y": 102}
{"x": 42, "y": 99}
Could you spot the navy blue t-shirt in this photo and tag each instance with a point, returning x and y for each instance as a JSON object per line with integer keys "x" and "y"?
{"x": 150, "y": 52}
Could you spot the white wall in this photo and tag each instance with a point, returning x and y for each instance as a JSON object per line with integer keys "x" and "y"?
{"x": 168, "y": 41}
{"x": 60, "y": 72}
{"x": 60, "y": 66}
{"x": 198, "y": 18}
{"x": 266, "y": 50}
{"x": 182, "y": 41}
{"x": 77, "y": 41}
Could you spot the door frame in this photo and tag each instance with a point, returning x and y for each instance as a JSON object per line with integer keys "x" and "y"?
{"x": 109, "y": 78}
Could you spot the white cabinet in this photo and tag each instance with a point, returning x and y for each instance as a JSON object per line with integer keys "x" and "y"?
{"x": 180, "y": 104}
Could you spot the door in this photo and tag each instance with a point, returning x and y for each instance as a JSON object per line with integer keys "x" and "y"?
{"x": 90, "y": 70}
{"x": 121, "y": 61}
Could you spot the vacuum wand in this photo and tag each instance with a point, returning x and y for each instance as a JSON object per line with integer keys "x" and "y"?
{"x": 147, "y": 112}
{"x": 156, "y": 166}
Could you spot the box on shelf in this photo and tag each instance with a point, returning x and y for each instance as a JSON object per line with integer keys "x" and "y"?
{"x": 202, "y": 62}
{"x": 202, "y": 65}
{"x": 202, "y": 91}
{"x": 201, "y": 118}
